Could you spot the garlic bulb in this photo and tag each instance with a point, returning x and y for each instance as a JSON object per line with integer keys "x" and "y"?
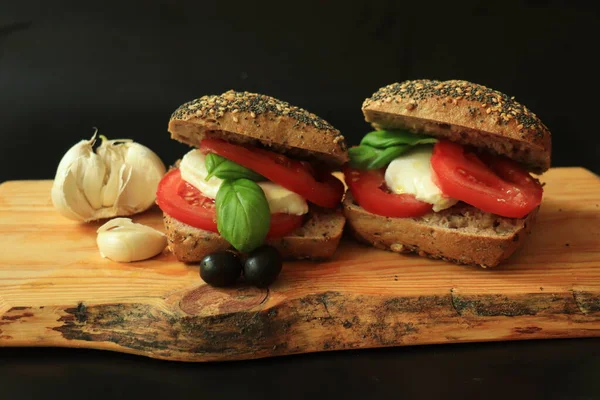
{"x": 122, "y": 240}
{"x": 119, "y": 179}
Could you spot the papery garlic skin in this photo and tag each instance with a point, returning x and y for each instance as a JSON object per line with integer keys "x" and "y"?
{"x": 119, "y": 179}
{"x": 122, "y": 240}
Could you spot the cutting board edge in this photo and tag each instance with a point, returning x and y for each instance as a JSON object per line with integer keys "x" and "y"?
{"x": 314, "y": 323}
{"x": 186, "y": 358}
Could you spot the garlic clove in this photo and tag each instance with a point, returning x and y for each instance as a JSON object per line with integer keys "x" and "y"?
{"x": 80, "y": 149}
{"x": 116, "y": 210}
{"x": 122, "y": 240}
{"x": 113, "y": 161}
{"x": 124, "y": 179}
{"x": 68, "y": 197}
{"x": 146, "y": 172}
{"x": 93, "y": 180}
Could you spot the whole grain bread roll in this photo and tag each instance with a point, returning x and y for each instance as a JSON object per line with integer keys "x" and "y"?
{"x": 461, "y": 234}
{"x": 250, "y": 118}
{"x": 464, "y": 112}
{"x": 317, "y": 239}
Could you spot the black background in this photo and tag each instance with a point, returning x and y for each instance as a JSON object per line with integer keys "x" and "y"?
{"x": 67, "y": 67}
{"x": 123, "y": 67}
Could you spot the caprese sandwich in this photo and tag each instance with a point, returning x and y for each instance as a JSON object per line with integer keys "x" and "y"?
{"x": 446, "y": 173}
{"x": 259, "y": 173}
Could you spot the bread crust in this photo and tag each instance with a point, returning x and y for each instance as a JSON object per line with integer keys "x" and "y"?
{"x": 251, "y": 118}
{"x": 457, "y": 245}
{"x": 464, "y": 112}
{"x": 317, "y": 239}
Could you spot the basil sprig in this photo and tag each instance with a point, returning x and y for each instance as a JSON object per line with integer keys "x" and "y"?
{"x": 379, "y": 148}
{"x": 226, "y": 169}
{"x": 243, "y": 214}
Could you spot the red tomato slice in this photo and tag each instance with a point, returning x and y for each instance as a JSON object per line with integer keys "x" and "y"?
{"x": 367, "y": 187}
{"x": 187, "y": 204}
{"x": 291, "y": 174}
{"x": 503, "y": 188}
{"x": 510, "y": 171}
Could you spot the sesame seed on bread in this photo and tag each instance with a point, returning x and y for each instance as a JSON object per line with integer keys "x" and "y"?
{"x": 461, "y": 234}
{"x": 464, "y": 112}
{"x": 256, "y": 119}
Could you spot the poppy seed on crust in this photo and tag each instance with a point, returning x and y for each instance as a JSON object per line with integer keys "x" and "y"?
{"x": 494, "y": 104}
{"x": 464, "y": 112}
{"x": 254, "y": 119}
{"x": 215, "y": 106}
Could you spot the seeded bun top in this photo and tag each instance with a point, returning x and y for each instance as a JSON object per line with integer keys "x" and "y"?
{"x": 256, "y": 119}
{"x": 464, "y": 112}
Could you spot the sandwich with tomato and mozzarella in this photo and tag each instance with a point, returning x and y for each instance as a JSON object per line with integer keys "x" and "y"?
{"x": 260, "y": 172}
{"x": 446, "y": 173}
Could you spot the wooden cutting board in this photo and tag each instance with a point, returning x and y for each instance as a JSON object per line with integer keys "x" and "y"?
{"x": 56, "y": 290}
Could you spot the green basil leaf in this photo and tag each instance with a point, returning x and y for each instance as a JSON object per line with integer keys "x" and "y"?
{"x": 361, "y": 156}
{"x": 379, "y": 148}
{"x": 383, "y": 139}
{"x": 223, "y": 168}
{"x": 243, "y": 214}
{"x": 366, "y": 157}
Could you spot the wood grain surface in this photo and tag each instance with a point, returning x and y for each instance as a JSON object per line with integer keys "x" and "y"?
{"x": 56, "y": 290}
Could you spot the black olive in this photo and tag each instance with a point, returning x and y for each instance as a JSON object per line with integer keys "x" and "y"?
{"x": 221, "y": 268}
{"x": 262, "y": 266}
